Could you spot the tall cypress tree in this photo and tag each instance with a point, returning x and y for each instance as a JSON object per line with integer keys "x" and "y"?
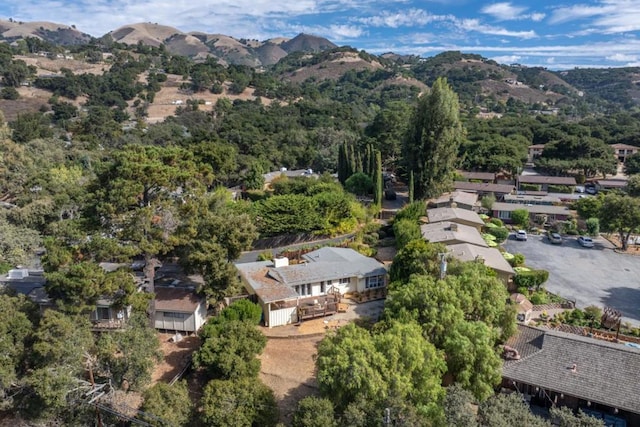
{"x": 433, "y": 137}
{"x": 343, "y": 163}
{"x": 377, "y": 181}
{"x": 411, "y": 187}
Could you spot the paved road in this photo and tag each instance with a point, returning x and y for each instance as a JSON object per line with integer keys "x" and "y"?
{"x": 596, "y": 276}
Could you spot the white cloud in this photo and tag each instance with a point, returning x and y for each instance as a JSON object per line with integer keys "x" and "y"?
{"x": 407, "y": 18}
{"x": 537, "y": 16}
{"x": 475, "y": 25}
{"x": 572, "y": 13}
{"x": 608, "y": 16}
{"x": 508, "y": 12}
{"x": 507, "y": 59}
{"x": 341, "y": 32}
{"x": 621, "y": 57}
{"x": 503, "y": 11}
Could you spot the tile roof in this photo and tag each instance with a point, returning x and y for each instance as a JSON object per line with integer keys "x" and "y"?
{"x": 605, "y": 373}
{"x": 276, "y": 284}
{"x": 453, "y": 214}
{"x": 440, "y": 232}
{"x": 484, "y": 187}
{"x": 491, "y": 256}
{"x": 176, "y": 299}
{"x": 544, "y": 179}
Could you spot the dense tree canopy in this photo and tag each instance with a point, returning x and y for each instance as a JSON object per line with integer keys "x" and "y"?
{"x": 431, "y": 144}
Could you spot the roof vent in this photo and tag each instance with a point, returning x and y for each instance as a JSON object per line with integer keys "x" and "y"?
{"x": 574, "y": 368}
{"x": 280, "y": 262}
{"x": 18, "y": 273}
{"x": 453, "y": 227}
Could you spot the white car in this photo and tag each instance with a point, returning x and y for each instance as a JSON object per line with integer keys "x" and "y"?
{"x": 521, "y": 235}
{"x": 585, "y": 242}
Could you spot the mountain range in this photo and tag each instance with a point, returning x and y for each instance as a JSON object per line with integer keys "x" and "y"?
{"x": 198, "y": 45}
{"x": 472, "y": 76}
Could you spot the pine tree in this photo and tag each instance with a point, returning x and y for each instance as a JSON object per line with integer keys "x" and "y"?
{"x": 434, "y": 135}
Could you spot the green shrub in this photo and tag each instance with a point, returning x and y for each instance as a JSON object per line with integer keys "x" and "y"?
{"x": 539, "y": 297}
{"x": 529, "y": 187}
{"x": 9, "y": 93}
{"x": 370, "y": 239}
{"x": 265, "y": 256}
{"x": 593, "y": 226}
{"x": 520, "y": 217}
{"x": 405, "y": 231}
{"x": 500, "y": 233}
{"x": 412, "y": 211}
{"x": 517, "y": 260}
{"x": 560, "y": 189}
{"x": 531, "y": 279}
{"x": 497, "y": 221}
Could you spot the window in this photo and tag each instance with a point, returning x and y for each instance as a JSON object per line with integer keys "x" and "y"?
{"x": 175, "y": 315}
{"x": 323, "y": 288}
{"x": 504, "y": 214}
{"x": 345, "y": 280}
{"x": 103, "y": 313}
{"x": 303, "y": 290}
{"x": 374, "y": 282}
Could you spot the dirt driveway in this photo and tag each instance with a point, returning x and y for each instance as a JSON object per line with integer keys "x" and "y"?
{"x": 288, "y": 361}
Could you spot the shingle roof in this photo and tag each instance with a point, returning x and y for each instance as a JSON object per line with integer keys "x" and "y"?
{"x": 485, "y": 176}
{"x": 453, "y": 214}
{"x": 543, "y": 179}
{"x": 623, "y": 147}
{"x": 531, "y": 198}
{"x": 440, "y": 232}
{"x": 484, "y": 187}
{"x": 492, "y": 257}
{"x": 276, "y": 284}
{"x": 605, "y": 373}
{"x": 460, "y": 197}
{"x": 176, "y": 299}
{"x": 532, "y": 209}
{"x": 612, "y": 183}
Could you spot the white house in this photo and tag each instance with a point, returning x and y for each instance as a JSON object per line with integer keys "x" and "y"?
{"x": 289, "y": 293}
{"x": 179, "y": 309}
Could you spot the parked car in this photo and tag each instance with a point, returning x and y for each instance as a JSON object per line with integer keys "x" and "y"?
{"x": 585, "y": 242}
{"x": 555, "y": 238}
{"x": 521, "y": 235}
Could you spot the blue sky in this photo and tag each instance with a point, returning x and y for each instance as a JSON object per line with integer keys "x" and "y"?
{"x": 557, "y": 35}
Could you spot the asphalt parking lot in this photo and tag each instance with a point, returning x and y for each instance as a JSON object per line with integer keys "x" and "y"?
{"x": 590, "y": 276}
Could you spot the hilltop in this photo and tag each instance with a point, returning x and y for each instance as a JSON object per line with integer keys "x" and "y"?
{"x": 11, "y": 31}
{"x": 480, "y": 82}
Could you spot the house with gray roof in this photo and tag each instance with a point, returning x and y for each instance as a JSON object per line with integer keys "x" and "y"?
{"x": 284, "y": 290}
{"x": 537, "y": 212}
{"x": 451, "y": 233}
{"x": 544, "y": 181}
{"x": 459, "y": 199}
{"x": 491, "y": 257}
{"x": 457, "y": 215}
{"x": 558, "y": 368}
{"x": 483, "y": 188}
